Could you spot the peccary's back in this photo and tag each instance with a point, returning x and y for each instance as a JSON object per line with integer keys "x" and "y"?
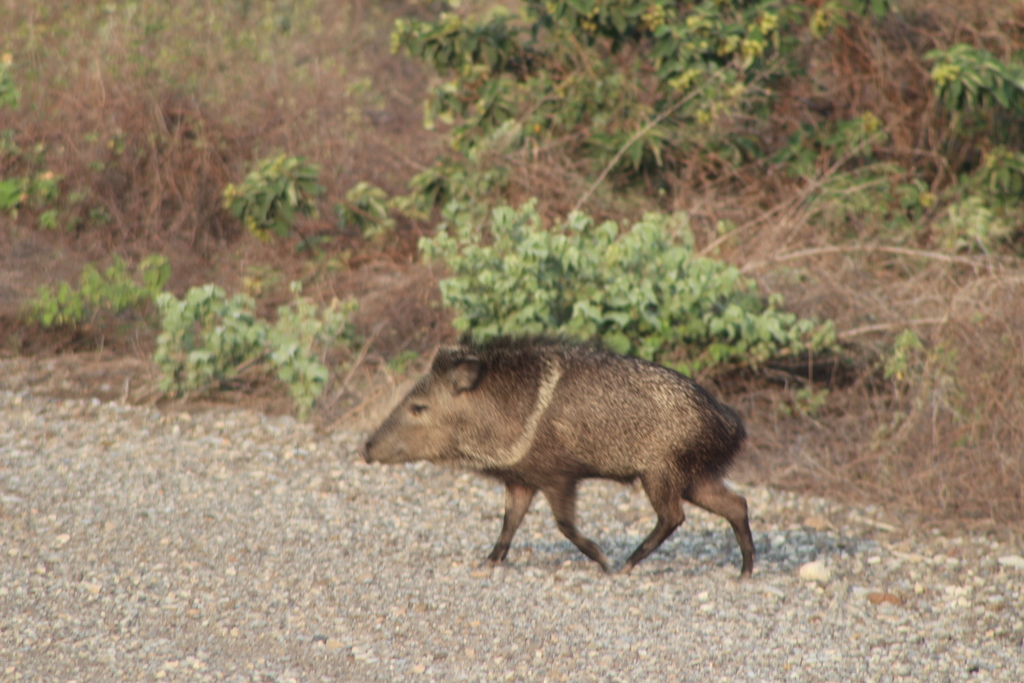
{"x": 618, "y": 417}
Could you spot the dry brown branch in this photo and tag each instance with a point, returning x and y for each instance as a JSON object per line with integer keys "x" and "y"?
{"x": 884, "y": 327}
{"x": 358, "y": 361}
{"x": 861, "y": 248}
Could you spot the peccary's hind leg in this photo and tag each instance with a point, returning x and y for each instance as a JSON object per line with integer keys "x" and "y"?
{"x": 668, "y": 505}
{"x": 714, "y": 497}
{"x": 562, "y": 499}
{"x": 517, "y": 501}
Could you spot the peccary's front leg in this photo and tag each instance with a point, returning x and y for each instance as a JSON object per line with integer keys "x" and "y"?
{"x": 562, "y": 499}
{"x": 517, "y": 501}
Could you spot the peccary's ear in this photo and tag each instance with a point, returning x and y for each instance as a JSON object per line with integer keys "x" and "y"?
{"x": 446, "y": 358}
{"x": 467, "y": 373}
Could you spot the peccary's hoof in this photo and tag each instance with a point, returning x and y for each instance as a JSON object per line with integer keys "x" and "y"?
{"x": 497, "y": 555}
{"x": 626, "y": 570}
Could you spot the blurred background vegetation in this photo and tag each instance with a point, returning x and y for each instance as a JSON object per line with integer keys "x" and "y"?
{"x": 814, "y": 207}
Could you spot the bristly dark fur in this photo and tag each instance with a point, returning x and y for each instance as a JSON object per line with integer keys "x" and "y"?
{"x": 542, "y": 413}
{"x": 506, "y": 351}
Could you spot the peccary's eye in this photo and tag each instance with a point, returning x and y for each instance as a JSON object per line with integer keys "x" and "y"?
{"x": 417, "y": 409}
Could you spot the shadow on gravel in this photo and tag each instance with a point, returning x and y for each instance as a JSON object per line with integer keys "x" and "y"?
{"x": 778, "y": 552}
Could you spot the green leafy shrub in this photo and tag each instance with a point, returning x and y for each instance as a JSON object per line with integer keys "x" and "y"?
{"x": 273, "y": 194}
{"x": 807, "y": 401}
{"x": 39, "y": 190}
{"x": 1000, "y": 176}
{"x": 813, "y": 147}
{"x": 634, "y": 82}
{"x": 474, "y": 182}
{"x": 983, "y": 100}
{"x": 972, "y": 225}
{"x": 851, "y": 183}
{"x": 44, "y": 188}
{"x": 834, "y": 13}
{"x": 115, "y": 290}
{"x": 10, "y": 95}
{"x": 967, "y": 77}
{"x": 986, "y": 212}
{"x": 366, "y": 206}
{"x": 652, "y": 86}
{"x": 13, "y": 192}
{"x": 915, "y": 198}
{"x": 906, "y": 354}
{"x": 842, "y": 162}
{"x": 300, "y": 339}
{"x": 208, "y": 339}
{"x": 57, "y": 306}
{"x": 643, "y": 291}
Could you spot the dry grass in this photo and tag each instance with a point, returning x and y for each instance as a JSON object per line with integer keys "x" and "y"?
{"x": 147, "y": 114}
{"x": 945, "y": 442}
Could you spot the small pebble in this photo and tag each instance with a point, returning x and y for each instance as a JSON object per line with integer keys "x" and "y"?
{"x": 1015, "y": 561}
{"x": 815, "y": 571}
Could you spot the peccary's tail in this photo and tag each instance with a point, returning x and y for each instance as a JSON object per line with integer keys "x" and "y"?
{"x": 722, "y": 440}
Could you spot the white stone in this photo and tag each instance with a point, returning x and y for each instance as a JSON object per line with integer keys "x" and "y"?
{"x": 815, "y": 571}
{"x": 1015, "y": 561}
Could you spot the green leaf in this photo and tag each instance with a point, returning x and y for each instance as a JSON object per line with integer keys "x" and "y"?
{"x": 617, "y": 342}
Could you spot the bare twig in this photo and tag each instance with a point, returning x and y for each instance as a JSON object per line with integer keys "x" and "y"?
{"x": 360, "y": 357}
{"x": 882, "y": 327}
{"x": 902, "y": 251}
{"x": 763, "y": 218}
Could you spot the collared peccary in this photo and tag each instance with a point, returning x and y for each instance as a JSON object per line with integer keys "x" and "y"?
{"x": 544, "y": 413}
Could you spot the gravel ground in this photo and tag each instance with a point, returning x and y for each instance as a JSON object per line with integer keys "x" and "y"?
{"x": 227, "y": 545}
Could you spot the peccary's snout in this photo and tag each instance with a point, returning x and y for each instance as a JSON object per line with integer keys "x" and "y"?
{"x": 365, "y": 450}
